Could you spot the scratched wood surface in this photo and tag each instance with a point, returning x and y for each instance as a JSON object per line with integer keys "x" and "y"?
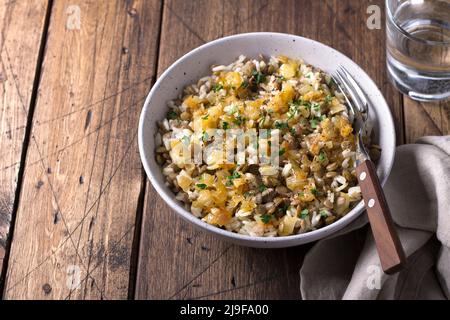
{"x": 425, "y": 119}
{"x": 86, "y": 212}
{"x": 191, "y": 264}
{"x": 20, "y": 42}
{"x": 82, "y": 181}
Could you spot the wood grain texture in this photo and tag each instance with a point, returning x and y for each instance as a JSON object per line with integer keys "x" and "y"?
{"x": 177, "y": 261}
{"x": 83, "y": 177}
{"x": 424, "y": 119}
{"x": 392, "y": 256}
{"x": 20, "y": 40}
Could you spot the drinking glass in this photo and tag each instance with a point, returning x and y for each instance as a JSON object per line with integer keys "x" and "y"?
{"x": 418, "y": 47}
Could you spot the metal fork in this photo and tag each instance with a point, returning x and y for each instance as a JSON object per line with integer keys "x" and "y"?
{"x": 389, "y": 247}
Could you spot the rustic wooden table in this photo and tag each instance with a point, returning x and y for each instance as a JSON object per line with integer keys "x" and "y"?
{"x": 75, "y": 205}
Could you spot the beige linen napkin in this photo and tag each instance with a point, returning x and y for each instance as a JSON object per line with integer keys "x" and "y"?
{"x": 347, "y": 266}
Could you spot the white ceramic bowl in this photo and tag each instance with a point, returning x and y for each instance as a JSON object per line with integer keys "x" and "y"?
{"x": 196, "y": 64}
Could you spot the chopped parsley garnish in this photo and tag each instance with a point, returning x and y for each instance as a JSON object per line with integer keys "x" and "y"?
{"x": 282, "y": 151}
{"x": 322, "y": 156}
{"x": 217, "y": 87}
{"x": 172, "y": 115}
{"x": 293, "y": 132}
{"x": 303, "y": 103}
{"x": 258, "y": 76}
{"x": 306, "y": 104}
{"x": 324, "y": 213}
{"x": 239, "y": 120}
{"x": 225, "y": 125}
{"x": 314, "y": 192}
{"x": 304, "y": 213}
{"x": 262, "y": 188}
{"x": 293, "y": 110}
{"x": 235, "y": 175}
{"x": 249, "y": 193}
{"x": 329, "y": 98}
{"x": 205, "y": 117}
{"x": 201, "y": 186}
{"x": 244, "y": 84}
{"x": 265, "y": 218}
{"x": 315, "y": 107}
{"x": 283, "y": 208}
{"x": 281, "y": 125}
{"x": 205, "y": 136}
{"x": 314, "y": 123}
{"x": 331, "y": 82}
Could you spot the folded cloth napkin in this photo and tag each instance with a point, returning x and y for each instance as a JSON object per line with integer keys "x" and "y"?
{"x": 347, "y": 266}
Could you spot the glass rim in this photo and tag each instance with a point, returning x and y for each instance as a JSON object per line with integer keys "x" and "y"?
{"x": 409, "y": 35}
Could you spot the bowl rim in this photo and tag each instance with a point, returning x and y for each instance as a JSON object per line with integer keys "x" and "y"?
{"x": 285, "y": 241}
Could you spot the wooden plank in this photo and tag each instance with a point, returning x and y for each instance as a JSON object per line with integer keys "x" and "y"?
{"x": 422, "y": 119}
{"x": 82, "y": 181}
{"x": 189, "y": 263}
{"x": 20, "y": 41}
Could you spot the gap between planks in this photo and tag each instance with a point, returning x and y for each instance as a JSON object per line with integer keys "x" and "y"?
{"x": 134, "y": 260}
{"x": 26, "y": 143}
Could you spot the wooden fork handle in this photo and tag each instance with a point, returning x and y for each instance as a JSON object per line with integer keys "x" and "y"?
{"x": 389, "y": 248}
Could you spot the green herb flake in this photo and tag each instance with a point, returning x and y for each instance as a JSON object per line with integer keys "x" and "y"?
{"x": 217, "y": 87}
{"x": 293, "y": 132}
{"x": 331, "y": 83}
{"x": 225, "y": 125}
{"x": 205, "y": 117}
{"x": 172, "y": 115}
{"x": 235, "y": 175}
{"x": 322, "y": 157}
{"x": 282, "y": 151}
{"x": 201, "y": 186}
{"x": 244, "y": 84}
{"x": 306, "y": 104}
{"x": 329, "y": 98}
{"x": 304, "y": 214}
{"x": 249, "y": 193}
{"x": 259, "y": 77}
{"x": 324, "y": 213}
{"x": 314, "y": 192}
{"x": 239, "y": 120}
{"x": 315, "y": 107}
{"x": 283, "y": 208}
{"x": 265, "y": 218}
{"x": 262, "y": 188}
{"x": 281, "y": 125}
{"x": 314, "y": 123}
